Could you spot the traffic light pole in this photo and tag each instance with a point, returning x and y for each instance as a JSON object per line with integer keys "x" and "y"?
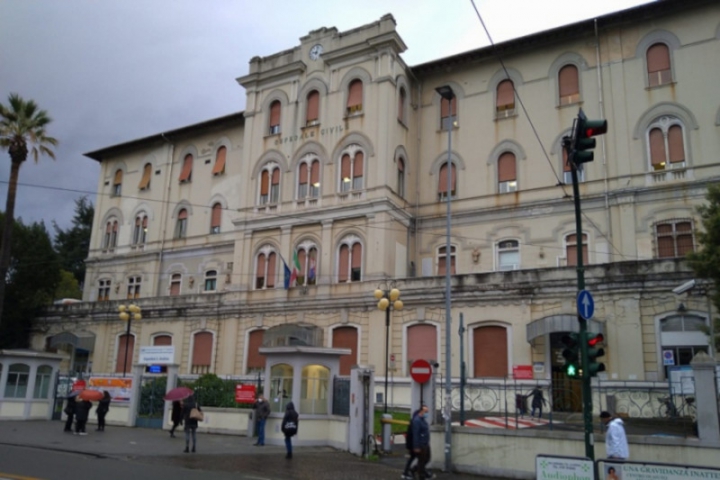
{"x": 584, "y": 365}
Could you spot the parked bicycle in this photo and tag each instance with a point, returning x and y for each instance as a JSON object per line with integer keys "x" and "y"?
{"x": 668, "y": 409}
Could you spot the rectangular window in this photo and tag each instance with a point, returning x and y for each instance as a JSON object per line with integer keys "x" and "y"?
{"x": 571, "y": 250}
{"x": 133, "y": 289}
{"x": 175, "y": 284}
{"x": 103, "y": 290}
{"x": 508, "y": 255}
{"x": 674, "y": 239}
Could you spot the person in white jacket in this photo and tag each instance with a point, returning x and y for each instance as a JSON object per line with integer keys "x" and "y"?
{"x": 616, "y": 445}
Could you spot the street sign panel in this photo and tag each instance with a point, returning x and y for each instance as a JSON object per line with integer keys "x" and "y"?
{"x": 585, "y": 304}
{"x": 421, "y": 371}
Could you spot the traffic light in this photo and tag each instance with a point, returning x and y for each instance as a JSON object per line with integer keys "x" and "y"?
{"x": 571, "y": 354}
{"x": 583, "y": 143}
{"x": 594, "y": 351}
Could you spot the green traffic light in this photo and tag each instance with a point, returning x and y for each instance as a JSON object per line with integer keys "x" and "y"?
{"x": 571, "y": 370}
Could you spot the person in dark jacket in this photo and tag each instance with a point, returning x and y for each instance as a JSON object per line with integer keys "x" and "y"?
{"x": 70, "y": 412}
{"x": 102, "y": 409}
{"x": 191, "y": 424}
{"x": 176, "y": 416}
{"x": 262, "y": 412}
{"x": 289, "y": 427}
{"x": 407, "y": 473}
{"x": 421, "y": 441}
{"x": 538, "y": 400}
{"x": 82, "y": 412}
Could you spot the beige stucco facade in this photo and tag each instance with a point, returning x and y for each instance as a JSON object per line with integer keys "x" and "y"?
{"x": 399, "y": 219}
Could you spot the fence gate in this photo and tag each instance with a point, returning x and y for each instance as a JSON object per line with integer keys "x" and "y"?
{"x": 341, "y": 396}
{"x": 151, "y": 404}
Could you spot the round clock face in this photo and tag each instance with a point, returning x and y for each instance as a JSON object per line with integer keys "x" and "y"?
{"x": 316, "y": 51}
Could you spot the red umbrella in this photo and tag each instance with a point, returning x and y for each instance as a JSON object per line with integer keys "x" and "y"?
{"x": 179, "y": 393}
{"x": 91, "y": 395}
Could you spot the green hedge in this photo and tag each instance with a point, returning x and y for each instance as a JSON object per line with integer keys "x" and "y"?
{"x": 213, "y": 391}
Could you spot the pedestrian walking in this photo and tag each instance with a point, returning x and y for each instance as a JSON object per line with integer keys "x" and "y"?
{"x": 289, "y": 427}
{"x": 407, "y": 473}
{"x": 176, "y": 415}
{"x": 82, "y": 412}
{"x": 70, "y": 412}
{"x": 421, "y": 442}
{"x": 616, "y": 445}
{"x": 538, "y": 400}
{"x": 192, "y": 413}
{"x": 262, "y": 412}
{"x": 102, "y": 410}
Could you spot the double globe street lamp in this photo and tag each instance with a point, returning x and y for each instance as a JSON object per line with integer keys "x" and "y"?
{"x": 128, "y": 314}
{"x": 388, "y": 300}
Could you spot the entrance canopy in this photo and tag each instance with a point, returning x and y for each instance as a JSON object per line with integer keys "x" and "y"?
{"x": 80, "y": 340}
{"x": 560, "y": 323}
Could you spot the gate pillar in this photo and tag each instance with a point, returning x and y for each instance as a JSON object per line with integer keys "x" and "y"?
{"x": 137, "y": 372}
{"x": 362, "y": 410}
{"x": 706, "y": 391}
{"x": 172, "y": 375}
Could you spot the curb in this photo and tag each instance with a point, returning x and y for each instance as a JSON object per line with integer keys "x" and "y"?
{"x": 61, "y": 450}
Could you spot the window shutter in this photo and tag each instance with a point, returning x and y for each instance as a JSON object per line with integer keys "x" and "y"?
{"x": 676, "y": 145}
{"x": 345, "y": 167}
{"x": 505, "y": 95}
{"x": 422, "y": 343}
{"x": 566, "y": 164}
{"x": 315, "y": 173}
{"x": 491, "y": 355}
{"x": 124, "y": 340}
{"x": 453, "y": 106}
{"x": 453, "y": 179}
{"x": 145, "y": 181}
{"x": 441, "y": 265}
{"x": 358, "y": 165}
{"x": 657, "y": 147}
{"x": 303, "y": 174}
{"x": 276, "y": 176}
{"x": 355, "y": 93}
{"x": 271, "y": 270}
{"x": 684, "y": 238}
{"x": 216, "y": 215}
{"x": 145, "y": 222}
{"x": 275, "y": 113}
{"x": 442, "y": 180}
{"x": 568, "y": 80}
{"x": 344, "y": 259}
{"x": 175, "y": 284}
{"x": 313, "y": 106}
{"x": 254, "y": 359}
{"x": 401, "y": 165}
{"x": 202, "y": 349}
{"x": 115, "y": 227}
{"x": 666, "y": 247}
{"x": 356, "y": 255}
{"x": 186, "y": 171}
{"x": 260, "y": 273}
{"x": 182, "y": 214}
{"x": 264, "y": 183}
{"x": 448, "y": 107}
{"x": 401, "y": 105}
{"x": 118, "y": 178}
{"x": 658, "y": 58}
{"x": 219, "y": 161}
{"x": 506, "y": 167}
{"x": 162, "y": 341}
{"x": 346, "y": 337}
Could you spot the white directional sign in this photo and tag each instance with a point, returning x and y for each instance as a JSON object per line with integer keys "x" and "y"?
{"x": 585, "y": 304}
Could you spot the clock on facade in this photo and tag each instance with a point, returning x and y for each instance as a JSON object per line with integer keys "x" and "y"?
{"x": 316, "y": 51}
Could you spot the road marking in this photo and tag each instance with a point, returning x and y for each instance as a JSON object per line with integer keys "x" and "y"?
{"x": 500, "y": 422}
{"x": 8, "y": 476}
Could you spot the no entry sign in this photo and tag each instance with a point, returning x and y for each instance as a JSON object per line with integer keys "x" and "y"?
{"x": 420, "y": 371}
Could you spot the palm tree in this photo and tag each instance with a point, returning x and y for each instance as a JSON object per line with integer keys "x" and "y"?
{"x": 22, "y": 131}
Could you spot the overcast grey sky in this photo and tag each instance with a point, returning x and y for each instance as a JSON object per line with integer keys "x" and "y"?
{"x": 112, "y": 71}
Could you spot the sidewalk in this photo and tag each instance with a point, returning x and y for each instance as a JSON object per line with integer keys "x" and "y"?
{"x": 224, "y": 453}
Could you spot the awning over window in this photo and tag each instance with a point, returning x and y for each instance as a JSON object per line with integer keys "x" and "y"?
{"x": 560, "y": 323}
{"x": 82, "y": 340}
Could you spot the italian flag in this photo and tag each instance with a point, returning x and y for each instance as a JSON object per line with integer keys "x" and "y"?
{"x": 295, "y": 269}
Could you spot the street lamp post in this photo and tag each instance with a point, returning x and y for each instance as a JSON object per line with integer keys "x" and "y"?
{"x": 128, "y": 314}
{"x": 388, "y": 300}
{"x": 446, "y": 92}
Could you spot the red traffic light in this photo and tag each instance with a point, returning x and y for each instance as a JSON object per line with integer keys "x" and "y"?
{"x": 595, "y": 127}
{"x": 596, "y": 339}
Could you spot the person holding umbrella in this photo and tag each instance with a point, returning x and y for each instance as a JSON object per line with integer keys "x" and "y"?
{"x": 176, "y": 416}
{"x": 102, "y": 409}
{"x": 176, "y": 396}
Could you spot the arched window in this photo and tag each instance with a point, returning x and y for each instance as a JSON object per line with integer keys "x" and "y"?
{"x": 186, "y": 172}
{"x": 442, "y": 260}
{"x": 202, "y": 353}
{"x": 355, "y": 97}
{"x": 162, "y": 340}
{"x": 674, "y": 238}
{"x": 145, "y": 180}
{"x": 312, "y": 115}
{"x": 270, "y": 184}
{"x": 17, "y": 381}
{"x": 111, "y": 234}
{"x": 314, "y": 390}
{"x": 442, "y": 182}
{"x": 352, "y": 169}
{"x": 43, "y": 377}
{"x": 507, "y": 173}
{"x": 658, "y": 65}
{"x": 265, "y": 268}
{"x": 569, "y": 84}
{"x": 448, "y": 110}
{"x": 140, "y": 230}
{"x": 508, "y": 255}
{"x": 117, "y": 183}
{"x": 103, "y": 290}
{"x": 211, "y": 280}
{"x": 181, "y": 225}
{"x": 490, "y": 352}
{"x": 307, "y": 257}
{"x": 219, "y": 167}
{"x": 421, "y": 343}
{"x": 275, "y": 109}
{"x": 401, "y": 177}
{"x": 281, "y": 386}
{"x": 175, "y": 283}
{"x": 683, "y": 335}
{"x": 350, "y": 260}
{"x": 402, "y": 98}
{"x": 666, "y": 144}
{"x": 571, "y": 250}
{"x": 215, "y": 218}
{"x": 346, "y": 337}
{"x": 505, "y": 99}
{"x": 308, "y": 178}
{"x": 255, "y": 360}
{"x": 125, "y": 352}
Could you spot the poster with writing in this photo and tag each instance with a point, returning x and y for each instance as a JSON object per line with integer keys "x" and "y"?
{"x": 118, "y": 387}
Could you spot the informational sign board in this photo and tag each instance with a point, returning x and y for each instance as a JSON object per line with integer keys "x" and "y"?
{"x": 421, "y": 371}
{"x": 668, "y": 357}
{"x": 245, "y": 393}
{"x": 681, "y": 380}
{"x": 119, "y": 388}
{"x": 163, "y": 355}
{"x": 79, "y": 385}
{"x": 523, "y": 372}
{"x": 553, "y": 468}
{"x": 653, "y": 471}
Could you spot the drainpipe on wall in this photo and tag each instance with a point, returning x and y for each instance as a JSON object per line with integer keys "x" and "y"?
{"x": 164, "y": 212}
{"x": 603, "y": 144}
